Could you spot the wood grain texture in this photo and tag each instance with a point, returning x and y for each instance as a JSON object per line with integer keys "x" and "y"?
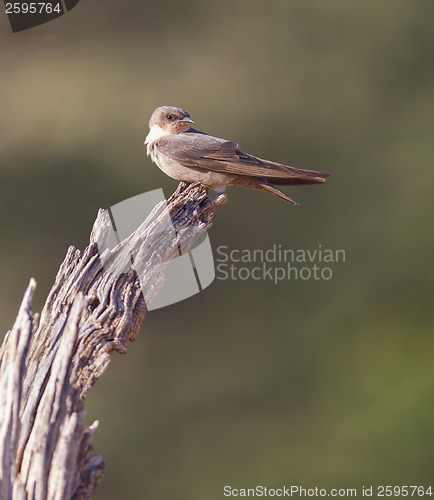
{"x": 48, "y": 364}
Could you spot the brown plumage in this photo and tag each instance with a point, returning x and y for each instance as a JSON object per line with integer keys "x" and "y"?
{"x": 188, "y": 155}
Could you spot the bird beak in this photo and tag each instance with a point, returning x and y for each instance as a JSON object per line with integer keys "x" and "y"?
{"x": 187, "y": 120}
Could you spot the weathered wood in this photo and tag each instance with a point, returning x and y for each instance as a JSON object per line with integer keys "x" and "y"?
{"x": 94, "y": 308}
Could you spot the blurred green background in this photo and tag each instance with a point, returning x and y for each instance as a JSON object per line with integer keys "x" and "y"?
{"x": 317, "y": 383}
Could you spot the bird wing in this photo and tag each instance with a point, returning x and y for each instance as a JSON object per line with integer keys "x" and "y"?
{"x": 205, "y": 152}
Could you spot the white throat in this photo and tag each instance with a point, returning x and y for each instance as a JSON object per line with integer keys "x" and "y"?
{"x": 155, "y": 133}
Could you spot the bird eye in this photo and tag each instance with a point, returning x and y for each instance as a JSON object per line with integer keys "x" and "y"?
{"x": 169, "y": 117}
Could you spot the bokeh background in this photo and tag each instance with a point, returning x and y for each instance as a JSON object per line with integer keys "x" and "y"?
{"x": 317, "y": 383}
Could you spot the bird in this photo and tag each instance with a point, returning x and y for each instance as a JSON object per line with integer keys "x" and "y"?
{"x": 188, "y": 155}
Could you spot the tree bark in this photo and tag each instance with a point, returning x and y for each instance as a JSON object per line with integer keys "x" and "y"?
{"x": 48, "y": 365}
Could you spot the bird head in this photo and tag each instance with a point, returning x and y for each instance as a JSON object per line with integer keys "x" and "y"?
{"x": 167, "y": 120}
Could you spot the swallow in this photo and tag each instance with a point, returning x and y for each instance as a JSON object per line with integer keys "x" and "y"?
{"x": 188, "y": 155}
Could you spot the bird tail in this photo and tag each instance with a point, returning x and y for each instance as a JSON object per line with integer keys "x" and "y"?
{"x": 262, "y": 184}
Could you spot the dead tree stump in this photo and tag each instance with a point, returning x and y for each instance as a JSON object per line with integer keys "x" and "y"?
{"x": 48, "y": 364}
